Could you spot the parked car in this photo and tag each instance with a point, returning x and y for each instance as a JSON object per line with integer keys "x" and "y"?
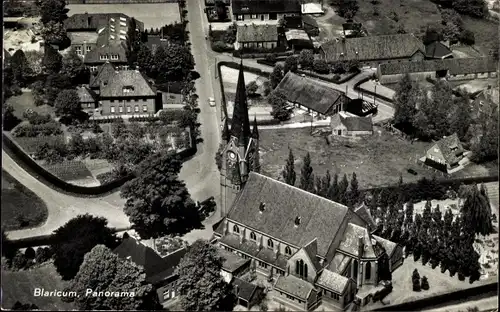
{"x": 412, "y": 171}
{"x": 211, "y": 101}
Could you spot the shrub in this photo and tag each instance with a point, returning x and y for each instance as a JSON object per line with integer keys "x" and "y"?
{"x": 336, "y": 78}
{"x": 321, "y": 67}
{"x": 271, "y": 57}
{"x": 461, "y": 276}
{"x": 219, "y": 46}
{"x": 36, "y": 119}
{"x": 416, "y": 280}
{"x": 20, "y": 261}
{"x": 43, "y": 254}
{"x": 424, "y": 283}
{"x": 50, "y": 128}
{"x": 29, "y": 253}
{"x": 467, "y": 37}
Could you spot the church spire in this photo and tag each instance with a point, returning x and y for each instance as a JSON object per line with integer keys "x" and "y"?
{"x": 255, "y": 131}
{"x": 225, "y": 131}
{"x": 240, "y": 127}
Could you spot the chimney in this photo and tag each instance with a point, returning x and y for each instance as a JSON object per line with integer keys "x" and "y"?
{"x": 361, "y": 246}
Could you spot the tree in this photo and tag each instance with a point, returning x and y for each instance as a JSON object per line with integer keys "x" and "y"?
{"x": 145, "y": 59}
{"x": 77, "y": 237}
{"x": 77, "y": 145}
{"x": 486, "y": 147}
{"x": 8, "y": 250}
{"x": 291, "y": 64}
{"x": 19, "y": 261}
{"x": 52, "y": 60}
{"x": 221, "y": 10}
{"x": 280, "y": 108}
{"x": 425, "y": 283}
{"x": 474, "y": 8}
{"x": 288, "y": 172}
{"x": 476, "y": 212}
{"x": 20, "y": 68}
{"x": 467, "y": 37}
{"x": 102, "y": 270}
{"x": 321, "y": 66}
{"x": 348, "y": 8}
{"x": 200, "y": 284}
{"x": 276, "y": 76}
{"x": 29, "y": 253}
{"x": 158, "y": 203}
{"x": 432, "y": 33}
{"x": 251, "y": 88}
{"x": 68, "y": 107}
{"x": 343, "y": 188}
{"x": 325, "y": 185}
{"x": 133, "y": 42}
{"x": 53, "y": 10}
{"x": 306, "y": 59}
{"x": 73, "y": 67}
{"x": 306, "y": 174}
{"x": 461, "y": 117}
{"x": 43, "y": 254}
{"x": 172, "y": 63}
{"x": 218, "y": 156}
{"x": 54, "y": 33}
{"x": 416, "y": 280}
{"x": 10, "y": 121}
{"x": 405, "y": 101}
{"x": 333, "y": 191}
{"x": 354, "y": 193}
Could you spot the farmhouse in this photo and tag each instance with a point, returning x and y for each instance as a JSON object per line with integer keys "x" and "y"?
{"x": 437, "y": 50}
{"x": 305, "y": 93}
{"x": 264, "y": 10}
{"x": 446, "y": 154}
{"x": 256, "y": 36}
{"x": 451, "y": 69}
{"x": 99, "y": 37}
{"x": 88, "y": 99}
{"x": 374, "y": 50}
{"x": 318, "y": 251}
{"x": 345, "y": 124}
{"x": 160, "y": 270}
{"x": 486, "y": 102}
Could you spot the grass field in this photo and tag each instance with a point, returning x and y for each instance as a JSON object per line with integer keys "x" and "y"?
{"x": 412, "y": 15}
{"x": 22, "y": 102}
{"x": 20, "y": 207}
{"x": 485, "y": 33}
{"x": 19, "y": 286}
{"x": 154, "y": 15}
{"x": 377, "y": 160}
{"x": 70, "y": 170}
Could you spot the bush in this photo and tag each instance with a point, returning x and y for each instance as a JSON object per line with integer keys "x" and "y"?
{"x": 321, "y": 67}
{"x": 336, "y": 78}
{"x": 20, "y": 261}
{"x": 416, "y": 280}
{"x": 43, "y": 254}
{"x": 36, "y": 119}
{"x": 50, "y": 128}
{"x": 424, "y": 283}
{"x": 271, "y": 57}
{"x": 219, "y": 46}
{"x": 29, "y": 253}
{"x": 467, "y": 37}
{"x": 461, "y": 276}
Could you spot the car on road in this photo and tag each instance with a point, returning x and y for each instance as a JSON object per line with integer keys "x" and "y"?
{"x": 211, "y": 101}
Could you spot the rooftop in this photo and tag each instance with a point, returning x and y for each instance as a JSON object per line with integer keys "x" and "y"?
{"x": 353, "y": 123}
{"x": 257, "y": 33}
{"x": 243, "y": 289}
{"x": 265, "y": 6}
{"x": 454, "y": 66}
{"x": 294, "y": 286}
{"x": 127, "y": 83}
{"x": 350, "y": 242}
{"x": 450, "y": 146}
{"x": 333, "y": 281}
{"x": 437, "y": 50}
{"x": 232, "y": 261}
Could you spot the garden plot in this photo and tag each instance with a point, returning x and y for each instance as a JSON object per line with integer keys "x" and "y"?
{"x": 153, "y": 15}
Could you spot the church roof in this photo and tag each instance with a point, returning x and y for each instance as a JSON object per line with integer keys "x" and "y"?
{"x": 312, "y": 250}
{"x": 333, "y": 281}
{"x": 350, "y": 242}
{"x": 294, "y": 286}
{"x": 364, "y": 212}
{"x": 319, "y": 217}
{"x": 240, "y": 126}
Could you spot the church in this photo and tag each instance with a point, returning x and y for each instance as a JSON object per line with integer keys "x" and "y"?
{"x": 317, "y": 252}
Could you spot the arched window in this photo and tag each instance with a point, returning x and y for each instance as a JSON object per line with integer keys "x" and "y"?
{"x": 236, "y": 229}
{"x": 253, "y": 236}
{"x": 301, "y": 268}
{"x": 270, "y": 243}
{"x": 297, "y": 267}
{"x": 305, "y": 270}
{"x": 368, "y": 271}
{"x": 288, "y": 251}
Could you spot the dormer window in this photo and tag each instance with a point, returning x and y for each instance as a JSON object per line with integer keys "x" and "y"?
{"x": 103, "y": 57}
{"x": 236, "y": 229}
{"x": 128, "y": 89}
{"x": 270, "y": 243}
{"x": 288, "y": 251}
{"x": 262, "y": 207}
{"x": 114, "y": 57}
{"x": 253, "y": 236}
{"x": 297, "y": 221}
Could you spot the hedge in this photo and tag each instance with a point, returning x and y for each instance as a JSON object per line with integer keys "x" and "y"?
{"x": 245, "y": 54}
{"x": 322, "y": 77}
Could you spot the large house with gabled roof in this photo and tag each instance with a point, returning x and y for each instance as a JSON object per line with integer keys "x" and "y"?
{"x": 264, "y": 10}
{"x": 446, "y": 154}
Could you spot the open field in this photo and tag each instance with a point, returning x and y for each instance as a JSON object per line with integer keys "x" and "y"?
{"x": 412, "y": 15}
{"x": 485, "y": 33}
{"x": 378, "y": 160}
{"x": 22, "y": 102}
{"x": 19, "y": 286}
{"x": 154, "y": 15}
{"x": 20, "y": 205}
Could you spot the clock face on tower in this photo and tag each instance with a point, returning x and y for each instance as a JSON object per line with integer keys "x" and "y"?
{"x": 232, "y": 156}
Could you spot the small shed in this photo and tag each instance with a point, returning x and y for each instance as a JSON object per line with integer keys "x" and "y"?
{"x": 247, "y": 293}
{"x": 344, "y": 124}
{"x": 298, "y": 39}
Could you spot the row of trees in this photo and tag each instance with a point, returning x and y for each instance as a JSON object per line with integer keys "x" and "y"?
{"x": 339, "y": 190}
{"x": 475, "y": 8}
{"x": 451, "y": 28}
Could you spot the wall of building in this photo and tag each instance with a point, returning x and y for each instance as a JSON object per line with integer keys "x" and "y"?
{"x": 332, "y": 301}
{"x": 292, "y": 304}
{"x": 260, "y": 17}
{"x": 82, "y": 49}
{"x": 128, "y": 106}
{"x": 292, "y": 264}
{"x": 254, "y": 45}
{"x": 396, "y": 259}
{"x": 397, "y": 77}
{"x": 167, "y": 294}
{"x": 434, "y": 154}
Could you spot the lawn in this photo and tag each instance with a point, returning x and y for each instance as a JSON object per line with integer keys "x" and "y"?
{"x": 412, "y": 15}
{"x": 22, "y": 102}
{"x": 485, "y": 33}
{"x": 378, "y": 160}
{"x": 20, "y": 207}
{"x": 154, "y": 15}
{"x": 69, "y": 170}
{"x": 19, "y": 286}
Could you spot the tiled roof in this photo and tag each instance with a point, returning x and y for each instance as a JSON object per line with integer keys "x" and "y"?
{"x": 353, "y": 123}
{"x": 454, "y": 66}
{"x": 85, "y": 95}
{"x": 364, "y": 212}
{"x": 257, "y": 33}
{"x": 124, "y": 79}
{"x": 487, "y": 100}
{"x": 436, "y": 50}
{"x": 312, "y": 250}
{"x": 446, "y": 146}
{"x": 109, "y": 49}
{"x": 251, "y": 248}
{"x": 339, "y": 263}
{"x": 245, "y": 290}
{"x": 309, "y": 21}
{"x": 294, "y": 286}
{"x": 372, "y": 48}
{"x": 94, "y": 21}
{"x": 156, "y": 267}
{"x": 265, "y": 6}
{"x": 333, "y": 281}
{"x": 320, "y": 217}
{"x": 308, "y": 93}
{"x": 82, "y": 37}
{"x": 232, "y": 261}
{"x": 105, "y": 72}
{"x": 386, "y": 244}
{"x": 350, "y": 242}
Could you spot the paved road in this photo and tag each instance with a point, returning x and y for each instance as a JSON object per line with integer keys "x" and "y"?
{"x": 484, "y": 304}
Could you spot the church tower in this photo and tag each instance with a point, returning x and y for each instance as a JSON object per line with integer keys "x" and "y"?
{"x": 240, "y": 154}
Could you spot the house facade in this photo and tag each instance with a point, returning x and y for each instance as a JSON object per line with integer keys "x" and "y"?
{"x": 88, "y": 100}
{"x": 374, "y": 50}
{"x": 264, "y": 10}
{"x": 263, "y": 36}
{"x": 446, "y": 154}
{"x": 452, "y": 69}
{"x": 345, "y": 124}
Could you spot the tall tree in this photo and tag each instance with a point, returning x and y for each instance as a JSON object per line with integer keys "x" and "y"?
{"x": 52, "y": 60}
{"x": 53, "y": 10}
{"x": 476, "y": 213}
{"x": 306, "y": 174}
{"x": 333, "y": 190}
{"x": 9, "y": 119}
{"x": 486, "y": 147}
{"x": 68, "y": 107}
{"x": 427, "y": 215}
{"x": 347, "y": 8}
{"x": 280, "y": 109}
{"x": 326, "y": 181}
{"x": 461, "y": 116}
{"x": 158, "y": 203}
{"x": 200, "y": 284}
{"x": 291, "y": 64}
{"x": 288, "y": 173}
{"x": 133, "y": 42}
{"x": 306, "y": 59}
{"x": 77, "y": 237}
{"x": 20, "y": 68}
{"x": 276, "y": 76}
{"x": 54, "y": 33}
{"x": 104, "y": 271}
{"x": 406, "y": 98}
{"x": 73, "y": 67}
{"x": 343, "y": 188}
{"x": 354, "y": 193}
